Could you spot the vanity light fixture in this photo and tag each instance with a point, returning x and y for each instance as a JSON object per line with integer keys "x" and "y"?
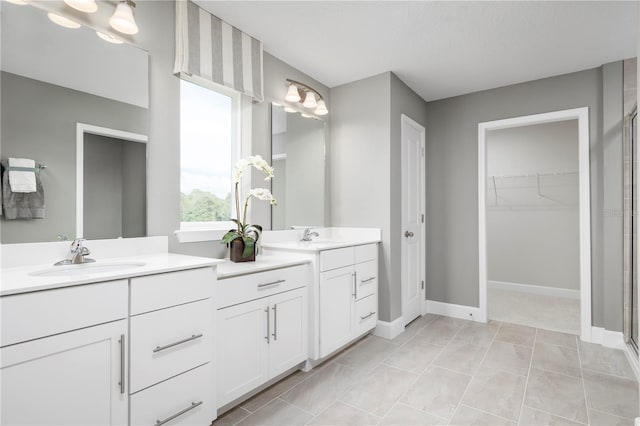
{"x": 62, "y": 21}
{"x": 109, "y": 38}
{"x": 87, "y": 6}
{"x": 292, "y": 94}
{"x": 123, "y": 20}
{"x": 310, "y": 98}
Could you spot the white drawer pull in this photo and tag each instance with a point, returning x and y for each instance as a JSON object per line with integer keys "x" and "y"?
{"x": 178, "y": 414}
{"x": 170, "y": 345}
{"x": 271, "y": 283}
{"x": 367, "y": 280}
{"x": 367, "y": 316}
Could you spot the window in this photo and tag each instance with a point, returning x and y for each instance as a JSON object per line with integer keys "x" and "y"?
{"x": 208, "y": 150}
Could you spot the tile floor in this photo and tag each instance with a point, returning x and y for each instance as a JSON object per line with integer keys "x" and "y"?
{"x": 447, "y": 371}
{"x": 534, "y": 310}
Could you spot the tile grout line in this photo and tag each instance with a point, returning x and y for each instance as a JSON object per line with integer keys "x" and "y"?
{"x": 542, "y": 410}
{"x": 526, "y": 383}
{"x": 421, "y": 373}
{"x": 474, "y": 374}
{"x": 584, "y": 387}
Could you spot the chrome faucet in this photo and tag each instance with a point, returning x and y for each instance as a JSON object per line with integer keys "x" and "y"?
{"x": 78, "y": 254}
{"x": 306, "y": 236}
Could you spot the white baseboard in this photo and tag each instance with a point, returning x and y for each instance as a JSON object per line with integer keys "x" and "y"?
{"x": 389, "y": 330}
{"x": 470, "y": 313}
{"x": 535, "y": 289}
{"x": 608, "y": 338}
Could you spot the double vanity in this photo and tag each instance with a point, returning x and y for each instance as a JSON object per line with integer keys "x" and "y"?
{"x": 146, "y": 337}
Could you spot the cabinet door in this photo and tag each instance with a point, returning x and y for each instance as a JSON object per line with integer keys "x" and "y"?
{"x": 242, "y": 349}
{"x": 337, "y": 290}
{"x": 288, "y": 343}
{"x": 69, "y": 379}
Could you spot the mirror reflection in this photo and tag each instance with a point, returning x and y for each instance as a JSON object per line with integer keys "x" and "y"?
{"x": 298, "y": 157}
{"x": 53, "y": 80}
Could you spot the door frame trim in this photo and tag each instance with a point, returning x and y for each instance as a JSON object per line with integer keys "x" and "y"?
{"x": 405, "y": 119}
{"x": 582, "y": 115}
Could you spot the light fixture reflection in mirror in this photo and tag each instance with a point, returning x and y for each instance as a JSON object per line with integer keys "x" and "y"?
{"x": 87, "y": 6}
{"x": 63, "y": 22}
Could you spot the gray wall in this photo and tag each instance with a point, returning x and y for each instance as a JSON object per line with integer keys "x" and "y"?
{"x": 534, "y": 239}
{"x": 612, "y": 157}
{"x": 452, "y": 181}
{"x": 365, "y": 168}
{"x": 360, "y": 168}
{"x": 34, "y": 125}
{"x": 102, "y": 215}
{"x": 134, "y": 189}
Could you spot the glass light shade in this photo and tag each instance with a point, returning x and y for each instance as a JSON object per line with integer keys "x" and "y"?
{"x": 109, "y": 38}
{"x": 87, "y": 6}
{"x": 19, "y": 2}
{"x": 310, "y": 100}
{"x": 292, "y": 94}
{"x": 321, "y": 109}
{"x": 62, "y": 21}
{"x": 122, "y": 19}
{"x": 289, "y": 109}
{"x": 305, "y": 115}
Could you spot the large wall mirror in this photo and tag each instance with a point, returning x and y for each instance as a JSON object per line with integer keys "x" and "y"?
{"x": 298, "y": 157}
{"x": 79, "y": 105}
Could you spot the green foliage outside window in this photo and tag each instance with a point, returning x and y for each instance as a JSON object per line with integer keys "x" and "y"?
{"x": 203, "y": 206}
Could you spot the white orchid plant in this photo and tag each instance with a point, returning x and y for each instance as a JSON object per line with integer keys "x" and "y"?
{"x": 248, "y": 233}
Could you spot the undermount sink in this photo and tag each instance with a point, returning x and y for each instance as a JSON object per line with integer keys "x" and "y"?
{"x": 85, "y": 269}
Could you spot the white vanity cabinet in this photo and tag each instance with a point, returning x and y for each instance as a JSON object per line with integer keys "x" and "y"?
{"x": 171, "y": 376}
{"x": 261, "y": 327}
{"x": 64, "y": 358}
{"x": 348, "y": 295}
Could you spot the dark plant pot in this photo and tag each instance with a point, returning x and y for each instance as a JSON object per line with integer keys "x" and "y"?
{"x": 236, "y": 247}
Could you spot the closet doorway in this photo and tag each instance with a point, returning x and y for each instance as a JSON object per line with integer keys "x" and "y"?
{"x": 534, "y": 228}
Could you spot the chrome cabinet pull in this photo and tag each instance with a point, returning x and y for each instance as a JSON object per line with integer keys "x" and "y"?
{"x": 179, "y": 413}
{"x": 271, "y": 283}
{"x": 170, "y": 345}
{"x": 367, "y": 280}
{"x": 354, "y": 285}
{"x": 367, "y": 316}
{"x": 122, "y": 361}
{"x": 275, "y": 323}
{"x": 268, "y": 328}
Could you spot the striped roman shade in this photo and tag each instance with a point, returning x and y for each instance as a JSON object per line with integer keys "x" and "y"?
{"x": 210, "y": 49}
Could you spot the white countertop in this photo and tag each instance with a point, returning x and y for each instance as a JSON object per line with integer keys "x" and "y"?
{"x": 316, "y": 245}
{"x": 263, "y": 262}
{"x": 18, "y": 279}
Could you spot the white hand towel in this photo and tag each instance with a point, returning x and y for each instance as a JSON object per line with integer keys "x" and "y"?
{"x": 22, "y": 180}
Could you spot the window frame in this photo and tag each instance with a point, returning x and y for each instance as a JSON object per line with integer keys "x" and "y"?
{"x": 211, "y": 231}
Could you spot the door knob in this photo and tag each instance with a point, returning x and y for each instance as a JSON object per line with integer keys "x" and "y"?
{"x": 408, "y": 234}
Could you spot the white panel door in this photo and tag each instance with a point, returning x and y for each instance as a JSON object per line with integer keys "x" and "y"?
{"x": 242, "y": 349}
{"x": 337, "y": 295}
{"x": 412, "y": 142}
{"x": 288, "y": 342}
{"x": 68, "y": 379}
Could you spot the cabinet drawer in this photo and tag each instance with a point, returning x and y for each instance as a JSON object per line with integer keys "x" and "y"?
{"x": 366, "y": 252}
{"x": 167, "y": 342}
{"x": 366, "y": 279}
{"x": 43, "y": 313}
{"x": 366, "y": 314}
{"x": 182, "y": 400}
{"x": 240, "y": 289}
{"x": 172, "y": 288}
{"x": 336, "y": 258}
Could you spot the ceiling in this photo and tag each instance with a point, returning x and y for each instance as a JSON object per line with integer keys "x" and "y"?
{"x": 440, "y": 49}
